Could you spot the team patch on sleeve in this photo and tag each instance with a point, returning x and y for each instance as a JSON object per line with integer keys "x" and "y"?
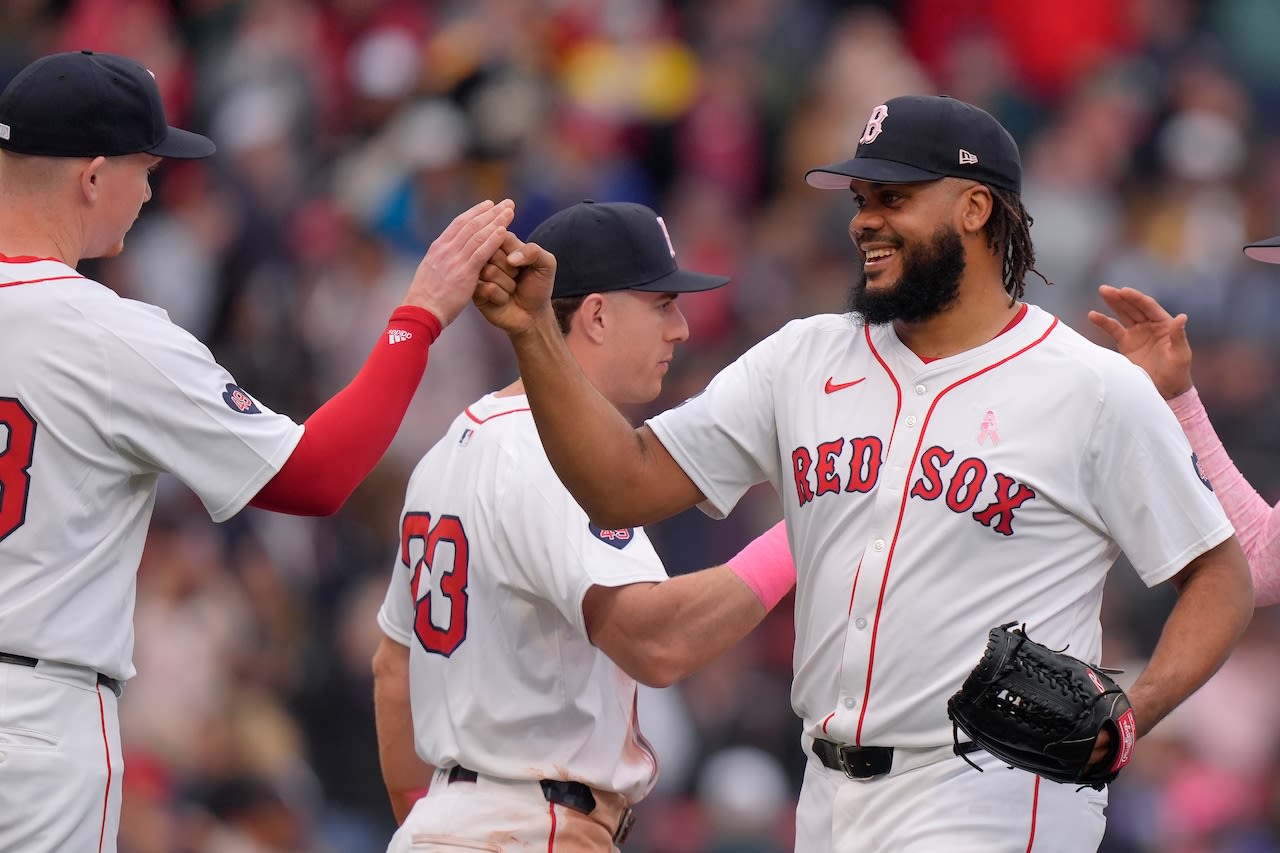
{"x": 618, "y": 538}
{"x": 239, "y": 401}
{"x": 1195, "y": 463}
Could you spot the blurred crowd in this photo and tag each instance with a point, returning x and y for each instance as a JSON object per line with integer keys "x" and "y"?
{"x": 350, "y": 132}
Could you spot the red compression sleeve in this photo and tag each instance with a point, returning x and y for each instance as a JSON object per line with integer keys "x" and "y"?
{"x": 347, "y": 436}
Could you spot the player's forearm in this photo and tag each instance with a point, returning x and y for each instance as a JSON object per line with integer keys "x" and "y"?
{"x": 675, "y": 628}
{"x": 660, "y": 633}
{"x": 347, "y": 436}
{"x": 405, "y": 775}
{"x": 1256, "y": 521}
{"x": 621, "y": 476}
{"x": 1215, "y": 603}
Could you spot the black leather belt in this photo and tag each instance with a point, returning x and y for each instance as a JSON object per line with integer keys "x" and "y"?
{"x": 574, "y": 795}
{"x": 22, "y": 660}
{"x": 866, "y": 762}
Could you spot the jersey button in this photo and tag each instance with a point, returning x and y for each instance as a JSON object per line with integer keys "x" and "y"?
{"x": 878, "y": 544}
{"x": 920, "y": 390}
{"x": 860, "y": 622}
{"x": 911, "y": 420}
{"x": 850, "y": 702}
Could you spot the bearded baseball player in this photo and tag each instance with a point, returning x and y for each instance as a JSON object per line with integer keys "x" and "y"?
{"x": 949, "y": 459}
{"x": 517, "y": 629}
{"x": 99, "y": 395}
{"x": 1152, "y": 338}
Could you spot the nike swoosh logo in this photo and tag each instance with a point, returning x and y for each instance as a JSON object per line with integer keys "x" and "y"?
{"x": 833, "y": 387}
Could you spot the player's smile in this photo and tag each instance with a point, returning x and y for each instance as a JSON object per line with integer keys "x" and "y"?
{"x": 877, "y": 258}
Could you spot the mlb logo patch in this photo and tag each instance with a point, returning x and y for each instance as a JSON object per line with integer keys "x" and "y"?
{"x": 618, "y": 538}
{"x": 239, "y": 401}
{"x": 465, "y": 439}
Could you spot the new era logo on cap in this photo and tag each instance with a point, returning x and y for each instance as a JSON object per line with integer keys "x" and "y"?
{"x": 967, "y": 158}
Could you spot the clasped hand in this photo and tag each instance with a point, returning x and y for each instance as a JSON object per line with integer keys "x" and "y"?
{"x": 515, "y": 286}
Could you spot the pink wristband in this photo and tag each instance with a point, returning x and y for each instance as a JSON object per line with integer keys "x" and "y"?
{"x": 765, "y": 565}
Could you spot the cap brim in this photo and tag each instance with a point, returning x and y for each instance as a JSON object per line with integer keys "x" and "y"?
{"x": 184, "y": 145}
{"x": 836, "y": 176}
{"x": 1267, "y": 251}
{"x": 683, "y": 281}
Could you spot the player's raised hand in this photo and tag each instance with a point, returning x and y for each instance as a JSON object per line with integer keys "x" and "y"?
{"x": 515, "y": 287}
{"x": 446, "y": 278}
{"x": 1149, "y": 336}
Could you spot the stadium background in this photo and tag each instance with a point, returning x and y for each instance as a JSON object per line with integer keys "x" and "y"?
{"x": 351, "y": 131}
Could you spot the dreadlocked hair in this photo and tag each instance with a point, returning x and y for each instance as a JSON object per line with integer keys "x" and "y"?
{"x": 1009, "y": 233}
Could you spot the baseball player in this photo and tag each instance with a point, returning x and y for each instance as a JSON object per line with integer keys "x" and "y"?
{"x": 949, "y": 459}
{"x": 1151, "y": 338}
{"x": 516, "y": 630}
{"x": 99, "y": 395}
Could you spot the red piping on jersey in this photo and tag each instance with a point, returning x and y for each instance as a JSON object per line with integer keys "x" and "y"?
{"x": 24, "y": 259}
{"x": 39, "y": 280}
{"x": 897, "y": 409}
{"x": 1035, "y": 807}
{"x": 551, "y": 839}
{"x": 854, "y": 589}
{"x": 906, "y": 495}
{"x": 106, "y": 748}
{"x": 467, "y": 412}
{"x": 31, "y": 259}
{"x": 1017, "y": 318}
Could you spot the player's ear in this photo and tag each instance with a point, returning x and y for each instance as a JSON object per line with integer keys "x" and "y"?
{"x": 976, "y": 204}
{"x": 89, "y": 174}
{"x": 592, "y": 316}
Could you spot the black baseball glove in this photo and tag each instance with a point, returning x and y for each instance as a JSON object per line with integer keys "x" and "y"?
{"x": 1042, "y": 710}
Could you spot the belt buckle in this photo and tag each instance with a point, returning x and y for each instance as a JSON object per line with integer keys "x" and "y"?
{"x": 625, "y": 823}
{"x": 862, "y": 767}
{"x": 842, "y": 759}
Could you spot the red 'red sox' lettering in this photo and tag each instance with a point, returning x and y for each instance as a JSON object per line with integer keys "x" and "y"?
{"x": 959, "y": 485}
{"x": 860, "y": 473}
{"x": 828, "y": 479}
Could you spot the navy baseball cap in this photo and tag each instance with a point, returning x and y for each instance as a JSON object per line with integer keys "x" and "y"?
{"x": 1267, "y": 251}
{"x": 87, "y": 104}
{"x": 917, "y": 138}
{"x": 615, "y": 246}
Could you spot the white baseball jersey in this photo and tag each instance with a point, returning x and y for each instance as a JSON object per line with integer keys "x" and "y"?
{"x": 98, "y": 396}
{"x": 495, "y": 558}
{"x": 929, "y": 502}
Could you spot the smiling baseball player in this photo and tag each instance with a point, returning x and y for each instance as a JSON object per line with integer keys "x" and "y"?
{"x": 950, "y": 459}
{"x": 99, "y": 395}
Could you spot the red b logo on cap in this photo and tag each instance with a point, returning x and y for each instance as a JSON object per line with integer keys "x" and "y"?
{"x": 873, "y": 128}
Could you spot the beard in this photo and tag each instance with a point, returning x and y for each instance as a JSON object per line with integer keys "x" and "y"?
{"x": 930, "y": 282}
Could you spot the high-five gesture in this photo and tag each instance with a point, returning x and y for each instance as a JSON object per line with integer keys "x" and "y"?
{"x": 516, "y": 286}
{"x": 1149, "y": 336}
{"x": 447, "y": 275}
